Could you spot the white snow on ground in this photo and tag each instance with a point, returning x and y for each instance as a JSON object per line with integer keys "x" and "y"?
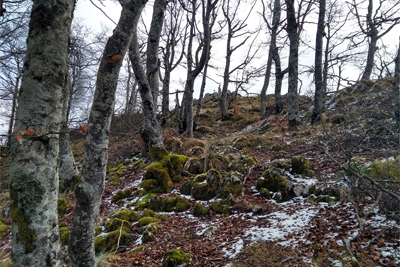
{"x": 281, "y": 225}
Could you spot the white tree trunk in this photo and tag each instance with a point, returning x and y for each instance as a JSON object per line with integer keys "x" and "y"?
{"x": 34, "y": 160}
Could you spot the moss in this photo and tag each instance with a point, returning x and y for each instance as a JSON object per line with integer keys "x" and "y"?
{"x": 273, "y": 180}
{"x": 199, "y": 210}
{"x": 300, "y": 165}
{"x": 160, "y": 180}
{"x": 161, "y": 217}
{"x": 140, "y": 193}
{"x": 203, "y": 191}
{"x": 137, "y": 165}
{"x": 387, "y": 170}
{"x": 105, "y": 243}
{"x": 196, "y": 166}
{"x": 176, "y": 258}
{"x": 25, "y": 235}
{"x": 142, "y": 203}
{"x": 242, "y": 165}
{"x": 148, "y": 213}
{"x": 158, "y": 153}
{"x": 3, "y": 229}
{"x": 138, "y": 249}
{"x": 29, "y": 191}
{"x": 223, "y": 206}
{"x": 186, "y": 187}
{"x": 62, "y": 206}
{"x": 201, "y": 178}
{"x": 169, "y": 204}
{"x": 283, "y": 164}
{"x": 115, "y": 224}
{"x": 231, "y": 185}
{"x": 115, "y": 179}
{"x": 149, "y": 231}
{"x": 265, "y": 193}
{"x": 64, "y": 236}
{"x": 121, "y": 194}
{"x": 218, "y": 162}
{"x": 127, "y": 215}
{"x": 149, "y": 185}
{"x": 146, "y": 220}
{"x": 337, "y": 119}
{"x": 318, "y": 199}
{"x": 213, "y": 177}
{"x": 69, "y": 185}
{"x": 97, "y": 230}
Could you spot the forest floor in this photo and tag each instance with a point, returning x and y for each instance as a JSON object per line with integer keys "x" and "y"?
{"x": 256, "y": 231}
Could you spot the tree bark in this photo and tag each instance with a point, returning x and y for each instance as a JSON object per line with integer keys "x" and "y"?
{"x": 319, "y": 84}
{"x": 373, "y": 35}
{"x": 34, "y": 158}
{"x": 276, "y": 17}
{"x": 293, "y": 104}
{"x": 151, "y": 129}
{"x": 396, "y": 88}
{"x": 153, "y": 41}
{"x": 279, "y": 75}
{"x": 67, "y": 163}
{"x": 90, "y": 189}
{"x": 203, "y": 86}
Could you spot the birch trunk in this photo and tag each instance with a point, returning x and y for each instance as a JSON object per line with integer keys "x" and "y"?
{"x": 319, "y": 84}
{"x": 202, "y": 88}
{"x": 373, "y": 35}
{"x": 90, "y": 189}
{"x": 34, "y": 160}
{"x": 293, "y": 104}
{"x": 279, "y": 74}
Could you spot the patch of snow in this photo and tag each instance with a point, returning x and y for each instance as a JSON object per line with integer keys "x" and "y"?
{"x": 235, "y": 249}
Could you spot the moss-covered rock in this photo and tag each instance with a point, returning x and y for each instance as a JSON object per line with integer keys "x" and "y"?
{"x": 199, "y": 210}
{"x": 146, "y": 220}
{"x": 186, "y": 187}
{"x": 137, "y": 165}
{"x": 283, "y": 164}
{"x": 243, "y": 164}
{"x": 274, "y": 180}
{"x": 265, "y": 193}
{"x": 163, "y": 174}
{"x": 109, "y": 242}
{"x": 218, "y": 162}
{"x": 127, "y": 215}
{"x": 201, "y": 178}
{"x": 115, "y": 224}
{"x": 64, "y": 235}
{"x": 143, "y": 202}
{"x": 231, "y": 185}
{"x": 97, "y": 230}
{"x": 196, "y": 166}
{"x": 116, "y": 173}
{"x": 62, "y": 206}
{"x": 176, "y": 258}
{"x": 169, "y": 204}
{"x": 300, "y": 165}
{"x": 158, "y": 153}
{"x": 203, "y": 191}
{"x": 385, "y": 170}
{"x": 223, "y": 206}
{"x": 149, "y": 231}
{"x": 121, "y": 194}
{"x": 148, "y": 213}
{"x": 318, "y": 199}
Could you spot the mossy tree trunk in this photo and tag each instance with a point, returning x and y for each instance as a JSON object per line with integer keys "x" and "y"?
{"x": 151, "y": 131}
{"x": 319, "y": 84}
{"x": 90, "y": 189}
{"x": 34, "y": 159}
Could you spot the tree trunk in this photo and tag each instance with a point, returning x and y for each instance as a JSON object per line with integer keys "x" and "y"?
{"x": 153, "y": 41}
{"x": 373, "y": 35}
{"x": 34, "y": 158}
{"x": 151, "y": 129}
{"x": 90, "y": 189}
{"x": 224, "y": 96}
{"x": 319, "y": 85}
{"x": 279, "y": 75}
{"x": 67, "y": 163}
{"x": 276, "y": 17}
{"x": 203, "y": 86}
{"x": 396, "y": 88}
{"x": 165, "y": 89}
{"x": 293, "y": 104}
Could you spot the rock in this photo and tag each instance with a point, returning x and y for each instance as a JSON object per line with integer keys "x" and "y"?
{"x": 300, "y": 165}
{"x": 199, "y": 210}
{"x": 121, "y": 194}
{"x": 108, "y": 242}
{"x": 176, "y": 258}
{"x": 274, "y": 180}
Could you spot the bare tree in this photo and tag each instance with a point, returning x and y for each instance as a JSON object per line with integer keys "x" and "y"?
{"x": 396, "y": 88}
{"x": 236, "y": 27}
{"x": 196, "y": 64}
{"x": 319, "y": 86}
{"x": 272, "y": 54}
{"x": 35, "y": 146}
{"x": 90, "y": 189}
{"x": 373, "y": 26}
{"x": 174, "y": 33}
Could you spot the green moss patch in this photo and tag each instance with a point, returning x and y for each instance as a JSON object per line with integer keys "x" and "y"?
{"x": 223, "y": 206}
{"x": 176, "y": 258}
{"x": 121, "y": 194}
{"x": 137, "y": 165}
{"x": 163, "y": 174}
{"x": 318, "y": 199}
{"x": 149, "y": 232}
{"x": 109, "y": 242}
{"x": 203, "y": 191}
{"x": 231, "y": 185}
{"x": 300, "y": 165}
{"x": 138, "y": 249}
{"x": 186, "y": 187}
{"x": 116, "y": 224}
{"x": 199, "y": 210}
{"x": 127, "y": 215}
{"x": 24, "y": 234}
{"x": 64, "y": 235}
{"x": 169, "y": 204}
{"x": 274, "y": 180}
{"x": 142, "y": 203}
{"x": 147, "y": 220}
{"x": 3, "y": 229}
{"x": 62, "y": 206}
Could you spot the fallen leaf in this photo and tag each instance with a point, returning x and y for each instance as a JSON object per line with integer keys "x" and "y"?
{"x": 114, "y": 58}
{"x": 19, "y": 138}
{"x": 83, "y": 129}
